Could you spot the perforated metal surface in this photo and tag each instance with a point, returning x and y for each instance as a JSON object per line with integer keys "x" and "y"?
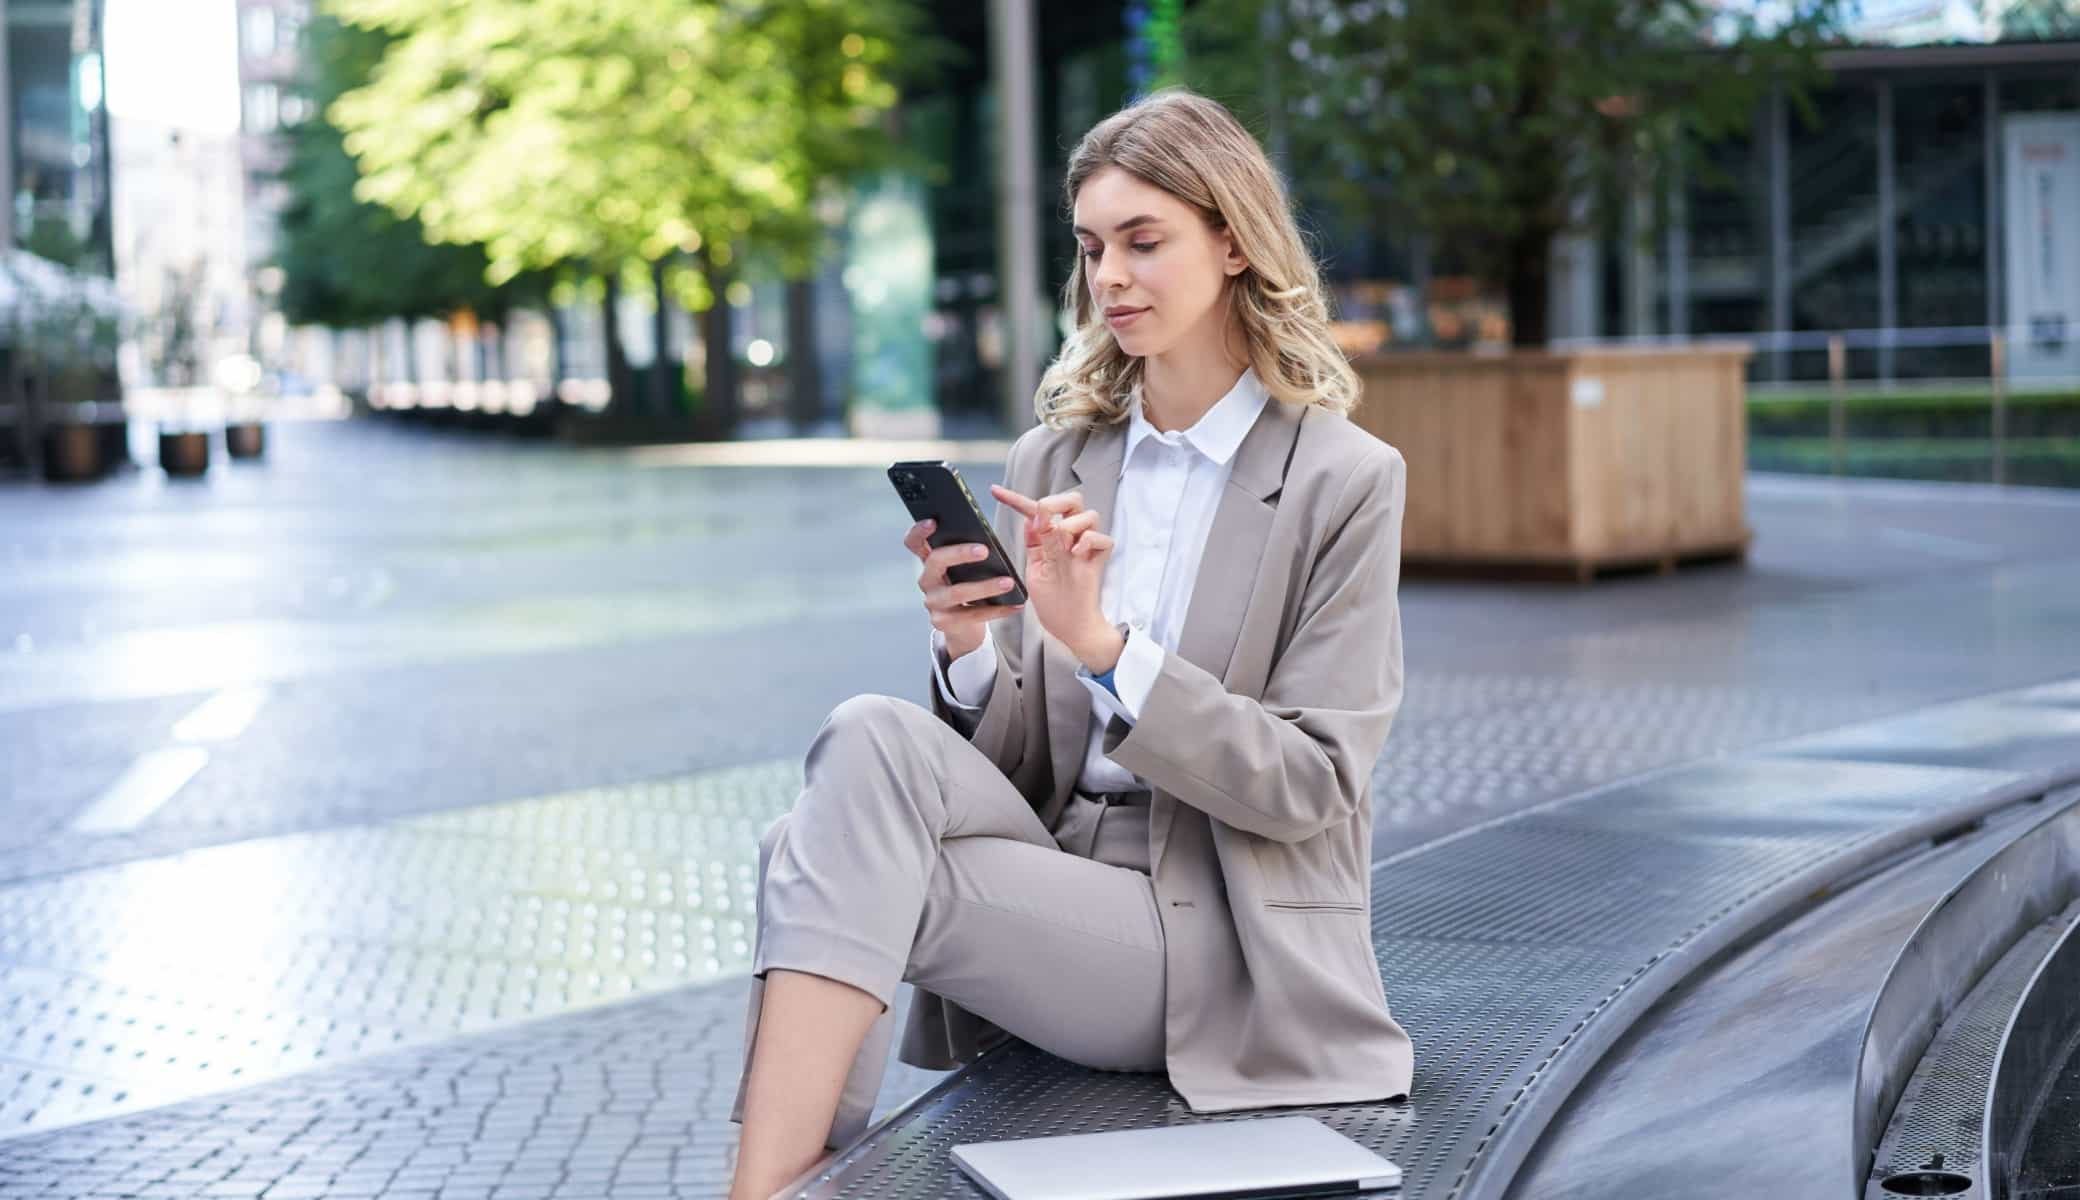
{"x": 1943, "y": 1108}
{"x": 2012, "y": 733}
{"x": 1499, "y": 951}
{"x": 1467, "y": 745}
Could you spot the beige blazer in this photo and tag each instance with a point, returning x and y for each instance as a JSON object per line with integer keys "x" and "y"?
{"x": 1258, "y": 740}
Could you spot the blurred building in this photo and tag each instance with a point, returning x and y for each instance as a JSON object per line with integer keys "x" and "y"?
{"x": 54, "y": 172}
{"x": 269, "y": 37}
{"x": 180, "y": 245}
{"x": 1084, "y": 60}
{"x": 1933, "y": 196}
{"x": 1936, "y": 198}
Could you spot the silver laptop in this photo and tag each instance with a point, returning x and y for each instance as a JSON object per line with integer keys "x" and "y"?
{"x": 1261, "y": 1157}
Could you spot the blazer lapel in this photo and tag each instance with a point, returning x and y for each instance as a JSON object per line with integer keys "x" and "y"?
{"x": 1095, "y": 473}
{"x": 1221, "y": 593}
{"x": 1229, "y": 568}
{"x": 1235, "y": 542}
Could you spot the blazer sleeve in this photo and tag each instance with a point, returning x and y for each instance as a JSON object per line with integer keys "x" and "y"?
{"x": 1001, "y": 730}
{"x": 1299, "y": 761}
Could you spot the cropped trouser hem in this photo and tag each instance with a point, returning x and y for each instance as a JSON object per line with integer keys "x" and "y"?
{"x": 910, "y": 857}
{"x": 833, "y": 953}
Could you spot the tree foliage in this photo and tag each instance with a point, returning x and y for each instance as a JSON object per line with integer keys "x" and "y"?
{"x": 2041, "y": 20}
{"x": 347, "y": 261}
{"x": 1480, "y": 123}
{"x": 623, "y": 132}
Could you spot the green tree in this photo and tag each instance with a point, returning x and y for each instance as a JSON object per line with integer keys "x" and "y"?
{"x": 659, "y": 139}
{"x": 1479, "y": 122}
{"x": 347, "y": 261}
{"x": 2041, "y": 20}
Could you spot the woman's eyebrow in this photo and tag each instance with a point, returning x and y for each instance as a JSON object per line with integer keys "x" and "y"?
{"x": 1123, "y": 226}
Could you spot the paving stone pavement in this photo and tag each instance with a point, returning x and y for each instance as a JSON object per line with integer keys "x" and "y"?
{"x": 517, "y": 713}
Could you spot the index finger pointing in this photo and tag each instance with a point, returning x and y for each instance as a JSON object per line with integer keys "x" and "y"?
{"x": 1014, "y": 499}
{"x": 1062, "y": 503}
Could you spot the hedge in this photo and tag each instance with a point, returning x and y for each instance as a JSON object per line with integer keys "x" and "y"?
{"x": 1935, "y": 415}
{"x": 2047, "y": 461}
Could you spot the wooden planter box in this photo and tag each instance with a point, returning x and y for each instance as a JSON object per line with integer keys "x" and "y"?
{"x": 1582, "y": 459}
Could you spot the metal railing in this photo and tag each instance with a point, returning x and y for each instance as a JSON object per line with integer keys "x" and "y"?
{"x": 1882, "y": 350}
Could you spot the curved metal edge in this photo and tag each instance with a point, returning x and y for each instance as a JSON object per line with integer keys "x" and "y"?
{"x": 2048, "y": 780}
{"x": 1964, "y": 933}
{"x": 2040, "y": 1024}
{"x": 1553, "y": 1084}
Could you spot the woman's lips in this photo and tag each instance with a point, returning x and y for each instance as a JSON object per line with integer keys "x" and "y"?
{"x": 1124, "y": 317}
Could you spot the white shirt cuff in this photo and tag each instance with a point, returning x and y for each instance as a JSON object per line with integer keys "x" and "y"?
{"x": 972, "y": 674}
{"x": 1134, "y": 675}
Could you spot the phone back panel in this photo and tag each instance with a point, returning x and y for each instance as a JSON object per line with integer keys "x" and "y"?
{"x": 946, "y": 499}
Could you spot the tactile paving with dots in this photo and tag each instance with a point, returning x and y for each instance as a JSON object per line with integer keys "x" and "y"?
{"x": 137, "y": 984}
{"x": 1472, "y": 745}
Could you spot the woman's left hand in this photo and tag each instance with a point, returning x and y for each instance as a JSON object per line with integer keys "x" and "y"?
{"x": 1065, "y": 572}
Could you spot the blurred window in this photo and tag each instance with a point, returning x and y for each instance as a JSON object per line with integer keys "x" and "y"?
{"x": 263, "y": 108}
{"x": 260, "y": 32}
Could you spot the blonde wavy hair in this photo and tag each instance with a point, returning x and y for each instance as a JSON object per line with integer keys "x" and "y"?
{"x": 1194, "y": 149}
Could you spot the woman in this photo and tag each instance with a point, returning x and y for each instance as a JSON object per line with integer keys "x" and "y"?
{"x": 1135, "y": 828}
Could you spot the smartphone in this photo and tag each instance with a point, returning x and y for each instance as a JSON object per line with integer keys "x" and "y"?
{"x": 934, "y": 490}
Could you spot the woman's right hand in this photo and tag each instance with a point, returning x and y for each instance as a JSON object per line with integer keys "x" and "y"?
{"x": 952, "y": 605}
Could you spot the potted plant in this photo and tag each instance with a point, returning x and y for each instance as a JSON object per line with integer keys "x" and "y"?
{"x": 67, "y": 346}
{"x": 184, "y": 452}
{"x": 245, "y": 429}
{"x": 183, "y": 446}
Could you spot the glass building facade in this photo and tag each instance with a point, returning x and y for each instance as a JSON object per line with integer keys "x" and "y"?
{"x": 1883, "y": 215}
{"x": 1882, "y": 212}
{"x": 57, "y": 181}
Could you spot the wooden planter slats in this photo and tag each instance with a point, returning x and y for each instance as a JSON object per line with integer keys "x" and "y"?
{"x": 1582, "y": 458}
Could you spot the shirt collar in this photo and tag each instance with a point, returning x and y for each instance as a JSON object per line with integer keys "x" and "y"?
{"x": 1219, "y": 432}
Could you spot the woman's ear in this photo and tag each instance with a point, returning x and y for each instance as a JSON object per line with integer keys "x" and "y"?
{"x": 1232, "y": 261}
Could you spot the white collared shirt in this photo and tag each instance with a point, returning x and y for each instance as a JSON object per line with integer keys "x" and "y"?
{"x": 1169, "y": 486}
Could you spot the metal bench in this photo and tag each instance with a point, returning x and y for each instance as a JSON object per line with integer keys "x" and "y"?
{"x": 1519, "y": 952}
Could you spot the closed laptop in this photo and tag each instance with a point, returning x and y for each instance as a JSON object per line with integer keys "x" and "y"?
{"x": 1259, "y": 1157}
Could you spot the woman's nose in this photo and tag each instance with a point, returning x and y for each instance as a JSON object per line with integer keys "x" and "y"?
{"x": 1110, "y": 277}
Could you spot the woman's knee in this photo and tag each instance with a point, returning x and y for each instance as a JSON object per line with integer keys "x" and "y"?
{"x": 871, "y": 734}
{"x": 868, "y": 711}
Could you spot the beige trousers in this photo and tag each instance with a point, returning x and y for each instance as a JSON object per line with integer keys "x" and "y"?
{"x": 910, "y": 857}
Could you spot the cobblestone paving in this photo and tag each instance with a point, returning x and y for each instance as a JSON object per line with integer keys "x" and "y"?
{"x": 518, "y": 712}
{"x": 214, "y": 967}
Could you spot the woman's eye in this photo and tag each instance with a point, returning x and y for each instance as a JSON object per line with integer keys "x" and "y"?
{"x": 1091, "y": 251}
{"x": 1144, "y": 247}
